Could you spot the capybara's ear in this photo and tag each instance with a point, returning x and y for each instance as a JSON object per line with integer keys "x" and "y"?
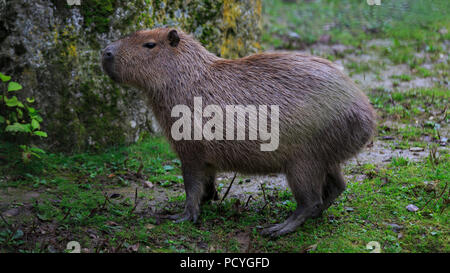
{"x": 174, "y": 39}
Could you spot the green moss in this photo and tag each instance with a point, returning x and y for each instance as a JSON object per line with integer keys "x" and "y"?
{"x": 97, "y": 14}
{"x": 101, "y": 116}
{"x": 91, "y": 123}
{"x": 221, "y": 26}
{"x": 87, "y": 116}
{"x": 83, "y": 109}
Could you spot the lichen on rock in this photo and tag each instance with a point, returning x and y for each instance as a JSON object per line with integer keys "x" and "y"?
{"x": 53, "y": 50}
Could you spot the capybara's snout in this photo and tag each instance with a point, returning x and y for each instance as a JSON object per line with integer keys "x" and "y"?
{"x": 108, "y": 61}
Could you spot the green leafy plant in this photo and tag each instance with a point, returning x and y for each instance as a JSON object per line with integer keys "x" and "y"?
{"x": 19, "y": 118}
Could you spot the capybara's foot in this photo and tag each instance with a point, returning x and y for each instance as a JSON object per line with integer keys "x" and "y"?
{"x": 299, "y": 216}
{"x": 210, "y": 196}
{"x": 186, "y": 215}
{"x": 288, "y": 226}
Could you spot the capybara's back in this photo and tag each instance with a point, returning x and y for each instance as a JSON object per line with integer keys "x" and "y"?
{"x": 317, "y": 117}
{"x": 322, "y": 114}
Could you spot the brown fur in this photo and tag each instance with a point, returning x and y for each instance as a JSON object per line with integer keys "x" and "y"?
{"x": 324, "y": 118}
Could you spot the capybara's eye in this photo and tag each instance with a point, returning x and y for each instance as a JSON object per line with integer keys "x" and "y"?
{"x": 150, "y": 45}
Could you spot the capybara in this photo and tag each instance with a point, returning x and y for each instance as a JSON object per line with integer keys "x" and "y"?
{"x": 324, "y": 119}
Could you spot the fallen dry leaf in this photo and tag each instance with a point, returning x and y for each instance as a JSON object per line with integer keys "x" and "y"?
{"x": 311, "y": 248}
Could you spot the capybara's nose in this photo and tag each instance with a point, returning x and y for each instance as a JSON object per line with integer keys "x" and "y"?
{"x": 108, "y": 52}
{"x": 108, "y": 60}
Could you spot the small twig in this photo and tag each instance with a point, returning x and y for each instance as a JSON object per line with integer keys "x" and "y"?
{"x": 4, "y": 220}
{"x": 446, "y": 202}
{"x": 265, "y": 205}
{"x": 10, "y": 227}
{"x": 248, "y": 200}
{"x": 67, "y": 214}
{"x": 12, "y": 234}
{"x": 436, "y": 198}
{"x": 429, "y": 200}
{"x": 105, "y": 194}
{"x": 93, "y": 211}
{"x": 264, "y": 195}
{"x": 141, "y": 166}
{"x": 228, "y": 190}
{"x": 106, "y": 200}
{"x": 434, "y": 160}
{"x": 445, "y": 110}
{"x": 125, "y": 162}
{"x": 119, "y": 246}
{"x": 437, "y": 132}
{"x": 264, "y": 192}
{"x": 135, "y": 200}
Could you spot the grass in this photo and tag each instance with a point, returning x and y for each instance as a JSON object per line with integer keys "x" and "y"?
{"x": 353, "y": 22}
{"x": 402, "y": 77}
{"x": 409, "y": 106}
{"x": 423, "y": 72}
{"x": 416, "y": 115}
{"x": 358, "y": 67}
{"x": 408, "y": 36}
{"x": 100, "y": 199}
{"x": 76, "y": 204}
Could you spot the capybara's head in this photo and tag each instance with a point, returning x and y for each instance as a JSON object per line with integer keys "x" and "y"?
{"x": 147, "y": 58}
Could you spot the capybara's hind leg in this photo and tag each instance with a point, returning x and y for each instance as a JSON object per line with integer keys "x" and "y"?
{"x": 194, "y": 179}
{"x": 306, "y": 180}
{"x": 210, "y": 192}
{"x": 334, "y": 186}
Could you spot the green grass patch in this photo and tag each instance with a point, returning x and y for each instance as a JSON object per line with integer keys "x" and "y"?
{"x": 75, "y": 207}
{"x": 425, "y": 105}
{"x": 351, "y": 22}
{"x": 402, "y": 77}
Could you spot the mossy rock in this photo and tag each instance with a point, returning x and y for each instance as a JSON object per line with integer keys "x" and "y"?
{"x": 53, "y": 50}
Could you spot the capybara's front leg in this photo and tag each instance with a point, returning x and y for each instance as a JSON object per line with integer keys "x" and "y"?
{"x": 193, "y": 177}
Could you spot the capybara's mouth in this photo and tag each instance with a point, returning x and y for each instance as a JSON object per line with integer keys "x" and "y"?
{"x": 108, "y": 67}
